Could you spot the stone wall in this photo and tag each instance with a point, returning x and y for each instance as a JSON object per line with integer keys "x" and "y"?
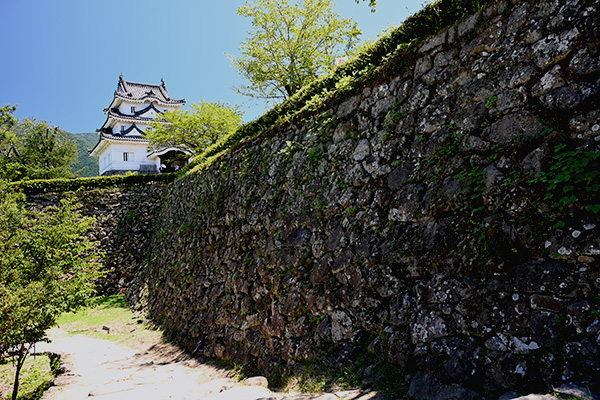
{"x": 125, "y": 218}
{"x": 445, "y": 220}
{"x": 424, "y": 222}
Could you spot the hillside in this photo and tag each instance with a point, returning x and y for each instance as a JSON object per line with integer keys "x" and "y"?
{"x": 86, "y": 165}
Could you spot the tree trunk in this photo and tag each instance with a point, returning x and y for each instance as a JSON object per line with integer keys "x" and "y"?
{"x": 20, "y": 362}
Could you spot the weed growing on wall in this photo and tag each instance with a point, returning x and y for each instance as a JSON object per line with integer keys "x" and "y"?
{"x": 315, "y": 155}
{"x": 449, "y": 147}
{"x": 491, "y": 103}
{"x": 573, "y": 177}
{"x": 475, "y": 179}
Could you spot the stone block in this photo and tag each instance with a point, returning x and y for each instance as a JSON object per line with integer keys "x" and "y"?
{"x": 568, "y": 97}
{"x": 586, "y": 126}
{"x": 434, "y": 43}
{"x": 468, "y": 25}
{"x": 341, "y": 326}
{"x": 554, "y": 48}
{"x": 575, "y": 391}
{"x": 427, "y": 387}
{"x": 422, "y": 66}
{"x": 584, "y": 63}
{"x": 512, "y": 126}
{"x": 256, "y": 381}
{"x": 547, "y": 303}
{"x": 549, "y": 81}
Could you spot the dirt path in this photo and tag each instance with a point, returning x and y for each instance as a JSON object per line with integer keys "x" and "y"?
{"x": 106, "y": 370}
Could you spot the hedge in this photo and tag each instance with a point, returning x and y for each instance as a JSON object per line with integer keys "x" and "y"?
{"x": 100, "y": 182}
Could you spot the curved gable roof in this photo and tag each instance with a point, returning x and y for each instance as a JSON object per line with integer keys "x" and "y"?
{"x": 108, "y": 132}
{"x": 143, "y": 91}
{"x": 136, "y": 116}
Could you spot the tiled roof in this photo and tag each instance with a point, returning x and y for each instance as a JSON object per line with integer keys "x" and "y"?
{"x": 107, "y": 132}
{"x": 141, "y": 91}
{"x": 115, "y": 112}
{"x": 109, "y": 137}
{"x": 146, "y": 109}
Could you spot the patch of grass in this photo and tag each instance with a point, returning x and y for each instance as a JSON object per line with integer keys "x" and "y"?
{"x": 351, "y": 211}
{"x": 113, "y": 313}
{"x": 36, "y": 376}
{"x": 315, "y": 380}
{"x": 387, "y": 380}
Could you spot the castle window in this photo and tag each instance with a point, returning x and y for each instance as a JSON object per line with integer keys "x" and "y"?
{"x": 127, "y": 156}
{"x": 133, "y": 110}
{"x": 122, "y": 129}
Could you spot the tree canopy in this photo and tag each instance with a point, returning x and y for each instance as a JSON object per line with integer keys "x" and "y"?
{"x": 194, "y": 129}
{"x": 293, "y": 42}
{"x": 31, "y": 149}
{"x": 47, "y": 267}
{"x": 7, "y": 135}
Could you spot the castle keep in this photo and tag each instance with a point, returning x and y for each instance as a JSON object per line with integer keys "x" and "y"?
{"x": 122, "y": 145}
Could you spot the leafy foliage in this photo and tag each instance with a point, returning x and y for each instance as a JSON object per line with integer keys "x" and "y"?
{"x": 31, "y": 149}
{"x": 195, "y": 129}
{"x": 46, "y": 152}
{"x": 8, "y": 139}
{"x": 7, "y": 136}
{"x": 573, "y": 176}
{"x": 292, "y": 45}
{"x": 47, "y": 267}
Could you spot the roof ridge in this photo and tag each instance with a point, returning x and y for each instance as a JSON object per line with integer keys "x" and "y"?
{"x": 122, "y": 79}
{"x": 144, "y": 84}
{"x": 168, "y": 100}
{"x": 138, "y": 90}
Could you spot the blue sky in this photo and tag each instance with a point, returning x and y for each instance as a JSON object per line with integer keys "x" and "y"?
{"x": 62, "y": 58}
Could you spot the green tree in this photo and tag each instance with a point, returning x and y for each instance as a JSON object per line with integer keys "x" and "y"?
{"x": 47, "y": 267}
{"x": 45, "y": 152}
{"x": 6, "y": 117}
{"x": 31, "y": 149}
{"x": 291, "y": 45}
{"x": 8, "y": 139}
{"x": 194, "y": 129}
